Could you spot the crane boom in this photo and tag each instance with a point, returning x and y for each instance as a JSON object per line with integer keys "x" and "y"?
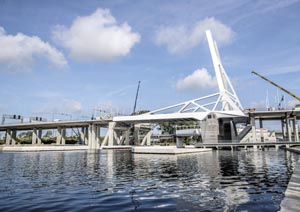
{"x": 276, "y": 85}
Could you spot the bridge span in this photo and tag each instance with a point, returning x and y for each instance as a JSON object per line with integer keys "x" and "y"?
{"x": 217, "y": 116}
{"x": 88, "y": 133}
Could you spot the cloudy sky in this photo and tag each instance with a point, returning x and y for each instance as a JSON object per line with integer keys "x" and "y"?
{"x": 73, "y": 56}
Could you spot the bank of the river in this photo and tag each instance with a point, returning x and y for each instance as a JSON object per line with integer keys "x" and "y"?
{"x": 291, "y": 201}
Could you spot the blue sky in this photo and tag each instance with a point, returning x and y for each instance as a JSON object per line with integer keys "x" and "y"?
{"x": 73, "y": 56}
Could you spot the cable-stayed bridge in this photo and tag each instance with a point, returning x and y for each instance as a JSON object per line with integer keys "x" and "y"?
{"x": 216, "y": 116}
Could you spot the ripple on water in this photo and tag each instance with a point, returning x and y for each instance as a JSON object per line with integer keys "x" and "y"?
{"x": 120, "y": 181}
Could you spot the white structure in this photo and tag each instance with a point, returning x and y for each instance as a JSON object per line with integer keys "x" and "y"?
{"x": 224, "y": 104}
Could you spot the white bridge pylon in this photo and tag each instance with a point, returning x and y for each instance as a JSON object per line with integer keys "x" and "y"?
{"x": 224, "y": 103}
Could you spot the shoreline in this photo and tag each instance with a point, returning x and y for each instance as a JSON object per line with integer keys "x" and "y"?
{"x": 291, "y": 200}
{"x": 42, "y": 148}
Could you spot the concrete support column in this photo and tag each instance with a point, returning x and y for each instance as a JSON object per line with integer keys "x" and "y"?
{"x": 90, "y": 136}
{"x": 14, "y": 137}
{"x": 86, "y": 135}
{"x": 58, "y": 136}
{"x": 34, "y": 136}
{"x": 8, "y": 137}
{"x": 81, "y": 135}
{"x": 255, "y": 147}
{"x": 111, "y": 129}
{"x": 39, "y": 137}
{"x": 147, "y": 139}
{"x": 252, "y": 121}
{"x": 296, "y": 132}
{"x": 92, "y": 143}
{"x": 117, "y": 138}
{"x": 97, "y": 142}
{"x": 126, "y": 136}
{"x": 63, "y": 136}
{"x": 179, "y": 142}
{"x": 288, "y": 129}
{"x": 283, "y": 130}
{"x": 136, "y": 134}
{"x": 261, "y": 130}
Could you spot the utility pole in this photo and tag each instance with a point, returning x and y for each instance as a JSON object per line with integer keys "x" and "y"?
{"x": 136, "y": 97}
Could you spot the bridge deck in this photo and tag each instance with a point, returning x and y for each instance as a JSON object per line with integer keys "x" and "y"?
{"x": 274, "y": 115}
{"x": 52, "y": 125}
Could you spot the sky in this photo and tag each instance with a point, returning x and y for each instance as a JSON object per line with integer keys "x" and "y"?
{"x": 74, "y": 56}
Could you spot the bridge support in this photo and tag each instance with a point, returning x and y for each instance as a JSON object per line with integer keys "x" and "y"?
{"x": 136, "y": 133}
{"x": 296, "y": 132}
{"x": 84, "y": 135}
{"x": 252, "y": 122}
{"x": 34, "y": 136}
{"x": 39, "y": 137}
{"x": 283, "y": 130}
{"x": 147, "y": 139}
{"x": 61, "y": 136}
{"x": 8, "y": 137}
{"x": 126, "y": 137}
{"x": 261, "y": 130}
{"x": 288, "y": 129}
{"x": 111, "y": 134}
{"x": 58, "y": 136}
{"x": 93, "y": 137}
{"x": 255, "y": 147}
{"x": 14, "y": 137}
{"x": 179, "y": 142}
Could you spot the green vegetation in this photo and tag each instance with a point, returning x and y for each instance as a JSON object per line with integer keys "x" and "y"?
{"x": 296, "y": 147}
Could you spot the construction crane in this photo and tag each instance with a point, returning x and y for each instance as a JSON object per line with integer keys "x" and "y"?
{"x": 278, "y": 86}
{"x": 136, "y": 97}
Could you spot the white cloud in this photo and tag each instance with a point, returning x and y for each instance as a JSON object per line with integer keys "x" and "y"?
{"x": 72, "y": 105}
{"x": 96, "y": 37}
{"x": 21, "y": 52}
{"x": 199, "y": 80}
{"x": 181, "y": 38}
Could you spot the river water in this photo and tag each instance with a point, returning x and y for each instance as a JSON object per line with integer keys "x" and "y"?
{"x": 120, "y": 181}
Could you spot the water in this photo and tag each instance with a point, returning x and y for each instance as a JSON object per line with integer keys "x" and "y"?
{"x": 120, "y": 181}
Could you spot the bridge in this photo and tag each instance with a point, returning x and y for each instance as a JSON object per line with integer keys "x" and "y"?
{"x": 216, "y": 115}
{"x": 89, "y": 131}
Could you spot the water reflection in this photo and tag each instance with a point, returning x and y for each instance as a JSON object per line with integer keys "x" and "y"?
{"x": 118, "y": 180}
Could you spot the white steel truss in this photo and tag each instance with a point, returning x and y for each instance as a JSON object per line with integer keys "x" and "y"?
{"x": 225, "y": 101}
